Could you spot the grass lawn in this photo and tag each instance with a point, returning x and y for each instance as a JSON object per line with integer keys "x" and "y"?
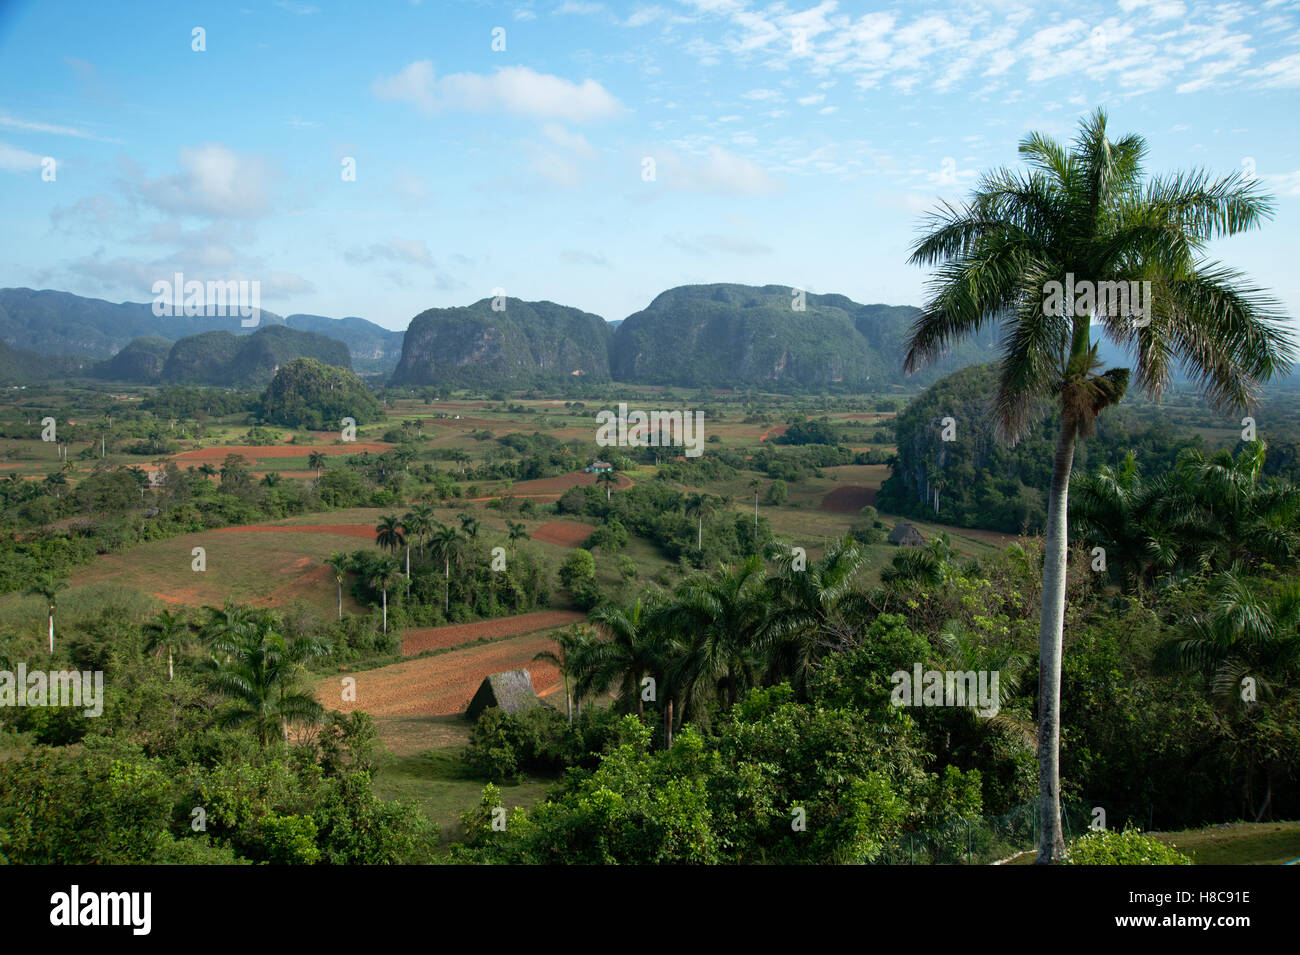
{"x": 421, "y": 765}
{"x": 1239, "y": 843}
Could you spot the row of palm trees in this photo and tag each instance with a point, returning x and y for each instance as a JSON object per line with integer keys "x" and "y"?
{"x": 444, "y": 543}
{"x": 716, "y": 636}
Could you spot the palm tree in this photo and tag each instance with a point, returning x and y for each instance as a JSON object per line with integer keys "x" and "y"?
{"x": 425, "y": 516}
{"x": 170, "y": 633}
{"x": 48, "y": 587}
{"x": 807, "y": 604}
{"x": 55, "y": 482}
{"x": 271, "y": 479}
{"x": 417, "y": 525}
{"x": 572, "y": 643}
{"x": 446, "y": 544}
{"x": 1245, "y": 633}
{"x": 469, "y": 525}
{"x": 1110, "y": 507}
{"x": 702, "y": 506}
{"x": 609, "y": 479}
{"x": 255, "y": 667}
{"x": 1005, "y": 256}
{"x": 316, "y": 461}
{"x": 518, "y": 530}
{"x": 339, "y": 563}
{"x": 390, "y": 536}
{"x": 634, "y": 649}
{"x": 725, "y": 615}
{"x": 384, "y": 574}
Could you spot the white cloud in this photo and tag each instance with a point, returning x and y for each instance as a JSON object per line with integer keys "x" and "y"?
{"x": 580, "y": 9}
{"x": 30, "y": 126}
{"x": 578, "y": 257}
{"x": 514, "y": 89}
{"x": 1286, "y": 183}
{"x": 717, "y": 171}
{"x": 573, "y": 142}
{"x": 214, "y": 182}
{"x": 13, "y": 159}
{"x": 402, "y": 251}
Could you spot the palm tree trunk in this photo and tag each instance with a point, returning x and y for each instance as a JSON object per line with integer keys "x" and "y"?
{"x": 385, "y": 610}
{"x": 340, "y": 583}
{"x": 446, "y": 601}
{"x": 668, "y": 725}
{"x": 699, "y": 540}
{"x": 568, "y": 699}
{"x": 1051, "y": 841}
{"x": 51, "y": 634}
{"x": 170, "y": 672}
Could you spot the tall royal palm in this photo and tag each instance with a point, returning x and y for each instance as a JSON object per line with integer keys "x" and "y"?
{"x": 1086, "y": 213}
{"x": 391, "y": 536}
{"x": 446, "y": 545}
{"x": 339, "y": 563}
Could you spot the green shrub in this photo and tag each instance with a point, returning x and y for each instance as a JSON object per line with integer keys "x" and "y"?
{"x": 1129, "y": 847}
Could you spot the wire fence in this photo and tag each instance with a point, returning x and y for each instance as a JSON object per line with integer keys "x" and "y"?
{"x": 981, "y": 840}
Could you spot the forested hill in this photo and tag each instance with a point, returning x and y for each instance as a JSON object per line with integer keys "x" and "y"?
{"x": 220, "y": 358}
{"x": 522, "y": 343}
{"x": 737, "y": 335}
{"x": 985, "y": 483}
{"x": 60, "y": 323}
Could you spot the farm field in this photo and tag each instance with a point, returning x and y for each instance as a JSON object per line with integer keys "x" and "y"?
{"x": 442, "y": 684}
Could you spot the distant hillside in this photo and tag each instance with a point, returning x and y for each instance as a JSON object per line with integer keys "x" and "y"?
{"x": 524, "y": 343}
{"x": 141, "y": 360}
{"x": 59, "y": 323}
{"x": 741, "y": 335}
{"x": 220, "y": 358}
{"x": 20, "y": 367}
{"x": 373, "y": 348}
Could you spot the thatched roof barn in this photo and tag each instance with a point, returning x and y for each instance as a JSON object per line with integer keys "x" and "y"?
{"x": 512, "y": 691}
{"x": 906, "y": 535}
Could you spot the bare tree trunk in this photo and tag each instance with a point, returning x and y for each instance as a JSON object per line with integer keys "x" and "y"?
{"x": 1051, "y": 840}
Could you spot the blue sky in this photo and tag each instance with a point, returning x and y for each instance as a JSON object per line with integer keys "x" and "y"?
{"x": 793, "y": 143}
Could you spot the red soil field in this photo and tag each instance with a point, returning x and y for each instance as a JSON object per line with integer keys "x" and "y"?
{"x": 848, "y": 500}
{"x": 260, "y": 453}
{"x": 439, "y": 638}
{"x": 441, "y": 685}
{"x": 564, "y": 533}
{"x": 776, "y": 431}
{"x": 543, "y": 488}
{"x": 351, "y": 530}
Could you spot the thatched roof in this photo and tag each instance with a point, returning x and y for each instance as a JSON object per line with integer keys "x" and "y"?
{"x": 512, "y": 691}
{"x": 906, "y": 535}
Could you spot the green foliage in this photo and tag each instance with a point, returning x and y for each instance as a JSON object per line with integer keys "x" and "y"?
{"x": 1129, "y": 847}
{"x": 308, "y": 394}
